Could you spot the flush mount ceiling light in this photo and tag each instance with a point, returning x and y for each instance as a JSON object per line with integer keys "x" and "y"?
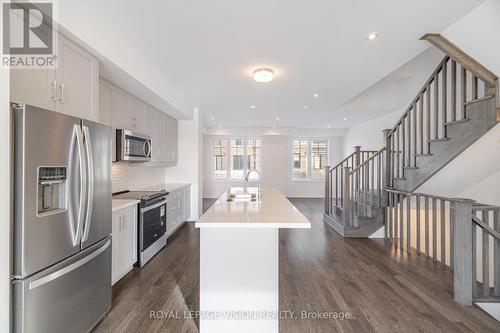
{"x": 345, "y": 118}
{"x": 372, "y": 35}
{"x": 306, "y": 107}
{"x": 213, "y": 118}
{"x": 316, "y": 95}
{"x": 263, "y": 75}
{"x": 252, "y": 106}
{"x": 277, "y": 118}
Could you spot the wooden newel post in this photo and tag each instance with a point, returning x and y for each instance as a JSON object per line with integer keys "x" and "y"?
{"x": 357, "y": 156}
{"x": 462, "y": 264}
{"x": 347, "y": 196}
{"x": 328, "y": 200}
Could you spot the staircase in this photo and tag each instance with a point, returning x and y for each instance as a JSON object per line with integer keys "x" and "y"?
{"x": 371, "y": 190}
{"x": 455, "y": 107}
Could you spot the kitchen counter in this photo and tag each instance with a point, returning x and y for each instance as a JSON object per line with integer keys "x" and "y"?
{"x": 169, "y": 187}
{"x": 239, "y": 260}
{"x": 118, "y": 204}
{"x": 273, "y": 211}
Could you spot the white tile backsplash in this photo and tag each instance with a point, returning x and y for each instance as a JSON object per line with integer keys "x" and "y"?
{"x": 131, "y": 176}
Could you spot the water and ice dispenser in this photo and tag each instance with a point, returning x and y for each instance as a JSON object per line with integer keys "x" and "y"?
{"x": 51, "y": 190}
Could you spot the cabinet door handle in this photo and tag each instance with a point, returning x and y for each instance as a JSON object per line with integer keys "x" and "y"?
{"x": 62, "y": 93}
{"x": 54, "y": 92}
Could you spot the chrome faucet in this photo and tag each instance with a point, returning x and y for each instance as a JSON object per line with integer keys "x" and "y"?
{"x": 247, "y": 178}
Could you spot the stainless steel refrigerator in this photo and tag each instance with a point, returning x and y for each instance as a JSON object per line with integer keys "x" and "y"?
{"x": 62, "y": 224}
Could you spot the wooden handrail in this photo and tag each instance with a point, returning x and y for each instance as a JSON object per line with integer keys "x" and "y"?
{"x": 461, "y": 57}
{"x": 431, "y": 196}
{"x": 486, "y": 227}
{"x": 376, "y": 153}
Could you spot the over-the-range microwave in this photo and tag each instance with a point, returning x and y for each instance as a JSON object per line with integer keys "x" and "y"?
{"x": 132, "y": 146}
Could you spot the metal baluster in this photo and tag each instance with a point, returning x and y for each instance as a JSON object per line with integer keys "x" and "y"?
{"x": 398, "y": 169}
{"x": 379, "y": 178}
{"x": 486, "y": 256}
{"x": 453, "y": 90}
{"x": 443, "y": 233}
{"x": 434, "y": 229}
{"x": 417, "y": 210}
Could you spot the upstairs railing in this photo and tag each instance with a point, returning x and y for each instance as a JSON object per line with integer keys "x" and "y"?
{"x": 441, "y": 102}
{"x": 335, "y": 176}
{"x": 455, "y": 233}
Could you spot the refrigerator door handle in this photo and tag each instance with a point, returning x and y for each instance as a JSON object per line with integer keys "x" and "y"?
{"x": 63, "y": 271}
{"x": 90, "y": 182}
{"x": 83, "y": 185}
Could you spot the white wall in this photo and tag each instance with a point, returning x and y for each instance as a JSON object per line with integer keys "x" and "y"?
{"x": 276, "y": 168}
{"x": 190, "y": 162}
{"x": 5, "y": 199}
{"x": 369, "y": 135}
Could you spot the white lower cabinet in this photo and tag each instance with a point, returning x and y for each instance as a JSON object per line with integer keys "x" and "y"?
{"x": 178, "y": 208}
{"x": 124, "y": 240}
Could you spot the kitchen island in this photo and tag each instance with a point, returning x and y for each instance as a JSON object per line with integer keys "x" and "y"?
{"x": 239, "y": 260}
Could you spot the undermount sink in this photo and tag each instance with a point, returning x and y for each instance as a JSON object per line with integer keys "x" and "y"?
{"x": 242, "y": 197}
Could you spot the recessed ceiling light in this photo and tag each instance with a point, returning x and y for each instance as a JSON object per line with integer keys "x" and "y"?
{"x": 252, "y": 106}
{"x": 213, "y": 118}
{"x": 345, "y": 118}
{"x": 328, "y": 126}
{"x": 306, "y": 107}
{"x": 220, "y": 126}
{"x": 372, "y": 35}
{"x": 316, "y": 95}
{"x": 263, "y": 75}
{"x": 274, "y": 126}
{"x": 277, "y": 118}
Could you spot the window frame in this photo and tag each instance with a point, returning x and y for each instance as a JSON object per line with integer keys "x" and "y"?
{"x": 310, "y": 162}
{"x": 229, "y": 157}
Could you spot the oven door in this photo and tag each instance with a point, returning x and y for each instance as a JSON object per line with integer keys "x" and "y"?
{"x": 153, "y": 223}
{"x": 133, "y": 146}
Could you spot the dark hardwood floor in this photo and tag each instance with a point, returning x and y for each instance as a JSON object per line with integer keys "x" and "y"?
{"x": 382, "y": 290}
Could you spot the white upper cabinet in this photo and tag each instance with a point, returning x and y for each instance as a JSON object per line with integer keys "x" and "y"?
{"x": 72, "y": 88}
{"x": 34, "y": 87}
{"x": 105, "y": 102}
{"x": 170, "y": 140}
{"x": 121, "y": 110}
{"x": 77, "y": 77}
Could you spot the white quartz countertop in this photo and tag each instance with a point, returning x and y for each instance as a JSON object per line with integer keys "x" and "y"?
{"x": 273, "y": 211}
{"x": 169, "y": 187}
{"x": 118, "y": 204}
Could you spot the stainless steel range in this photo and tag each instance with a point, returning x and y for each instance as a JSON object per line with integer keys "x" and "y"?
{"x": 152, "y": 221}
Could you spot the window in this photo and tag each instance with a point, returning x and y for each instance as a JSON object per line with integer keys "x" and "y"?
{"x": 309, "y": 158}
{"x": 233, "y": 158}
{"x": 219, "y": 151}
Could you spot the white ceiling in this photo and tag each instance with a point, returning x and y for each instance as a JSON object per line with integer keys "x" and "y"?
{"x": 201, "y": 53}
